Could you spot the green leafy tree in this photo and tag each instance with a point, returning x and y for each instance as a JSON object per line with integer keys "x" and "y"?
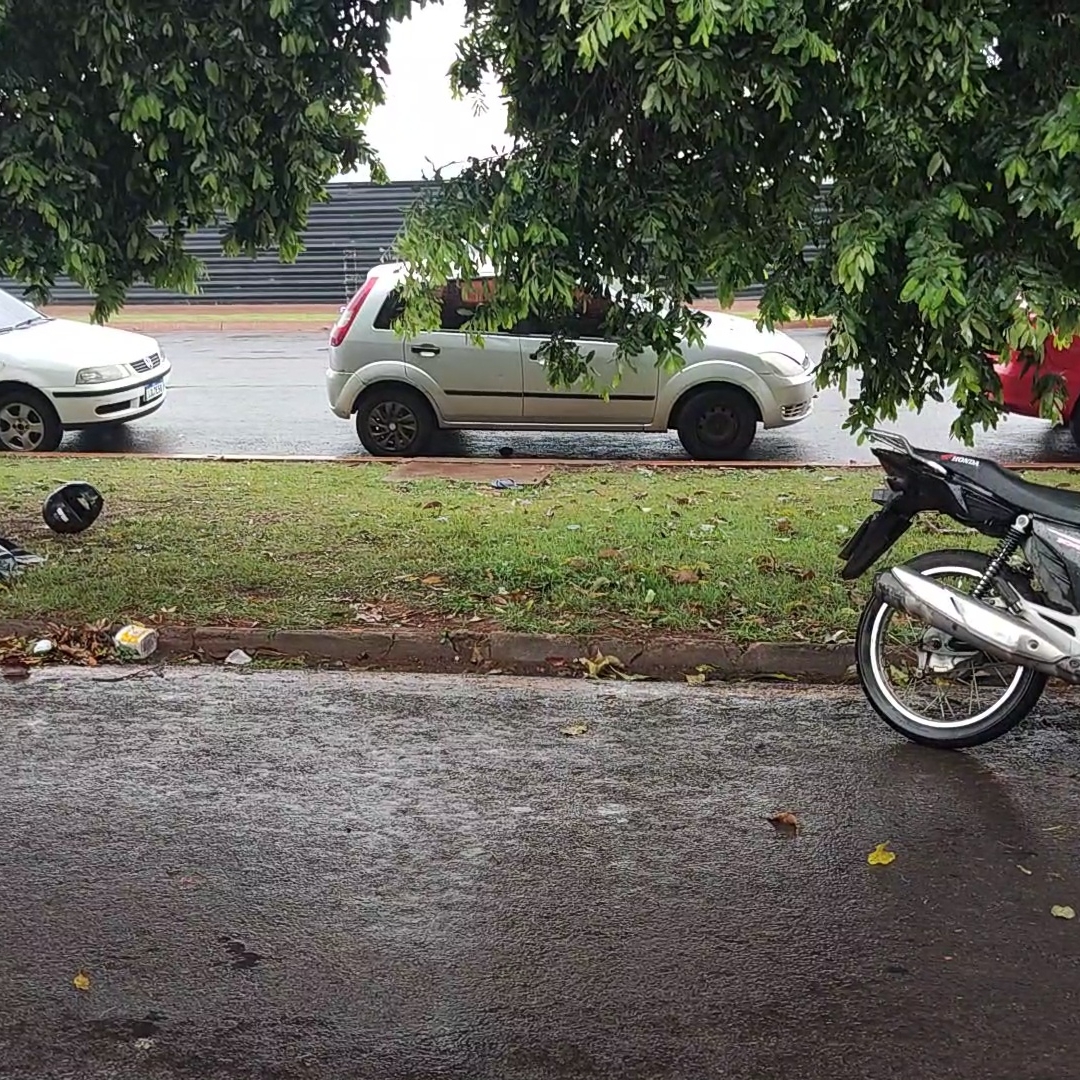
{"x": 125, "y": 124}
{"x": 659, "y": 143}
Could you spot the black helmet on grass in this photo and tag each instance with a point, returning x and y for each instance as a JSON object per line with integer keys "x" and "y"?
{"x": 72, "y": 507}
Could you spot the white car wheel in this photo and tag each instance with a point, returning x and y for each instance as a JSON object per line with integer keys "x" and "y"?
{"x": 28, "y": 422}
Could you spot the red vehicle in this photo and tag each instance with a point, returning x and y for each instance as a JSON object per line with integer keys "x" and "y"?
{"x": 1017, "y": 383}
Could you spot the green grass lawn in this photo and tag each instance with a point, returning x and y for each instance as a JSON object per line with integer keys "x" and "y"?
{"x": 743, "y": 555}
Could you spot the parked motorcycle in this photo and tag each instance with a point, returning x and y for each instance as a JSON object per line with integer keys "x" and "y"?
{"x": 955, "y": 647}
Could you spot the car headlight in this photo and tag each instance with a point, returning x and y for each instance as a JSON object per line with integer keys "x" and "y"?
{"x": 109, "y": 373}
{"x": 783, "y": 364}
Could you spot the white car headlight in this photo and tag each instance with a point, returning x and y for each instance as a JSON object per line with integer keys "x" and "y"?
{"x": 783, "y": 364}
{"x": 109, "y": 373}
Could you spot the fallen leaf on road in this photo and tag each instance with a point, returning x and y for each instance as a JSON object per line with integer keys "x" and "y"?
{"x": 784, "y": 821}
{"x": 881, "y": 855}
{"x": 599, "y": 665}
{"x": 696, "y": 679}
{"x": 81, "y": 981}
{"x": 1062, "y": 911}
{"x": 1023, "y": 869}
{"x": 575, "y": 730}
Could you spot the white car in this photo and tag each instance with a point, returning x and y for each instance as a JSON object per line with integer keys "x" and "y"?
{"x": 57, "y": 375}
{"x": 402, "y": 392}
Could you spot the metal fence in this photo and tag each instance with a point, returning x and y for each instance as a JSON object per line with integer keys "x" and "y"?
{"x": 346, "y": 235}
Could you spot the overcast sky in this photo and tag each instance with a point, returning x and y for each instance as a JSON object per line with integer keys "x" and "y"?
{"x": 420, "y": 119}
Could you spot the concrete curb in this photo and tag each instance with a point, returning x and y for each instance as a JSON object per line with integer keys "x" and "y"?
{"x": 665, "y": 658}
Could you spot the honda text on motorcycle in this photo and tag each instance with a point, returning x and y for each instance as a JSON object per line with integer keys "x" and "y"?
{"x": 955, "y": 647}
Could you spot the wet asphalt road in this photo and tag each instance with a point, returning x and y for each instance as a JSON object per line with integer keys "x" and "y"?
{"x": 264, "y": 394}
{"x": 285, "y": 876}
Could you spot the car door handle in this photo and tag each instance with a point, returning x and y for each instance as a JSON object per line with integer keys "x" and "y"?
{"x": 426, "y": 350}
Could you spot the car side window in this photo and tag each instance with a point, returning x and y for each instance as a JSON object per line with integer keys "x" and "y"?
{"x": 458, "y": 303}
{"x": 584, "y": 324}
{"x": 456, "y": 309}
{"x": 588, "y": 321}
{"x": 391, "y": 309}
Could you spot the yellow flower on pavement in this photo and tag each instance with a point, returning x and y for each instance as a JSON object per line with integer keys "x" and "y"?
{"x": 881, "y": 855}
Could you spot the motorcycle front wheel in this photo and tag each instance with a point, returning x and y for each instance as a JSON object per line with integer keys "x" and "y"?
{"x": 933, "y": 689}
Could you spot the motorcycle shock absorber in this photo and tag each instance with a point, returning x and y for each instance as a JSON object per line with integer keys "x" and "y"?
{"x": 1009, "y": 543}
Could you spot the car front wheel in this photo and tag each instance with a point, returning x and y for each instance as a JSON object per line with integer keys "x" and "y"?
{"x": 28, "y": 422}
{"x": 395, "y": 421}
{"x": 717, "y": 424}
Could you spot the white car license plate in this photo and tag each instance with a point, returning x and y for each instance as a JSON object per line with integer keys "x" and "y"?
{"x": 153, "y": 391}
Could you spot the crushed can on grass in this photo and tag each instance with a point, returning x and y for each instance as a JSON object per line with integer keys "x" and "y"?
{"x": 136, "y": 641}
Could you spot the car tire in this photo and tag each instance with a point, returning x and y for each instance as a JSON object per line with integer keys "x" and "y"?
{"x": 395, "y": 421}
{"x": 28, "y": 422}
{"x": 717, "y": 424}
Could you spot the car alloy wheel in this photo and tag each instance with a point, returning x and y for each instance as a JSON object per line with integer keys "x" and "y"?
{"x": 22, "y": 427}
{"x": 393, "y": 426}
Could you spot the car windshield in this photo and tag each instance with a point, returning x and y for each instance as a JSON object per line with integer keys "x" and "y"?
{"x": 14, "y": 313}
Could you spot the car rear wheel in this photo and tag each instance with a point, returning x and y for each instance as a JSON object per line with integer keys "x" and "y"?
{"x": 28, "y": 422}
{"x": 394, "y": 421}
{"x": 717, "y": 424}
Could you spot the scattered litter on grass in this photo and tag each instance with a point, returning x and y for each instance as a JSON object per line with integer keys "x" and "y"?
{"x": 238, "y": 658}
{"x": 504, "y": 484}
{"x": 1062, "y": 911}
{"x": 14, "y": 559}
{"x": 43, "y": 647}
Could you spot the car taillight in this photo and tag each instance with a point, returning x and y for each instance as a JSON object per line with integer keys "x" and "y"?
{"x": 351, "y": 310}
